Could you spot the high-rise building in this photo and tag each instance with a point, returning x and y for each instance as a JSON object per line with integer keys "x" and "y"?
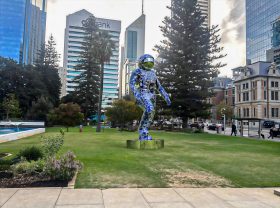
{"x": 22, "y": 29}
{"x": 205, "y": 7}
{"x": 133, "y": 49}
{"x": 273, "y": 54}
{"x": 259, "y": 17}
{"x": 74, "y": 35}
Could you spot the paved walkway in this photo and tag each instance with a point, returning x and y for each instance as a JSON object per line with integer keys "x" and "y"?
{"x": 228, "y": 132}
{"x": 139, "y": 198}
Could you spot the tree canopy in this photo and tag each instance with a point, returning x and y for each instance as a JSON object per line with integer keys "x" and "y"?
{"x": 189, "y": 59}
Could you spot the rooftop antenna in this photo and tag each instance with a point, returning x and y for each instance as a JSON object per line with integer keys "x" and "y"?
{"x": 142, "y": 6}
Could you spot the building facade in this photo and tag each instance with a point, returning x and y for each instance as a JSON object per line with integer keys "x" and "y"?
{"x": 257, "y": 92}
{"x": 205, "y": 7}
{"x": 273, "y": 54}
{"x": 134, "y": 47}
{"x": 260, "y": 16}
{"x": 74, "y": 35}
{"x": 222, "y": 93}
{"x": 22, "y": 29}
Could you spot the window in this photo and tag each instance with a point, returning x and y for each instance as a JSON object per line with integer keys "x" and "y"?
{"x": 247, "y": 110}
{"x": 276, "y": 84}
{"x": 264, "y": 95}
{"x": 273, "y": 71}
{"x": 233, "y": 100}
{"x": 272, "y": 84}
{"x": 239, "y": 112}
{"x": 239, "y": 97}
{"x": 274, "y": 95}
{"x": 254, "y": 112}
{"x": 274, "y": 112}
{"x": 247, "y": 85}
{"x": 264, "y": 83}
{"x": 264, "y": 112}
{"x": 244, "y": 86}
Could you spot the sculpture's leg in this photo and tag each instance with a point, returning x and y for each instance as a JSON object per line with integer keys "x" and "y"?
{"x": 147, "y": 118}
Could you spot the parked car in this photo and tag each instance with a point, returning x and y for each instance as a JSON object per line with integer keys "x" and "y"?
{"x": 215, "y": 126}
{"x": 198, "y": 125}
{"x": 268, "y": 124}
{"x": 212, "y": 127}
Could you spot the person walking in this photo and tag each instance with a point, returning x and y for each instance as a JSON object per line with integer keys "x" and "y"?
{"x": 233, "y": 129}
{"x": 271, "y": 133}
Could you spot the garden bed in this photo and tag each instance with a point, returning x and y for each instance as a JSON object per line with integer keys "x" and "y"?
{"x": 23, "y": 181}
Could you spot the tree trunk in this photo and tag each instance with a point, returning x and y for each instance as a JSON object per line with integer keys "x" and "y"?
{"x": 98, "y": 129}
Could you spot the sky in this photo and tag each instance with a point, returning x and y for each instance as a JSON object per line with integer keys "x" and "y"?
{"x": 228, "y": 14}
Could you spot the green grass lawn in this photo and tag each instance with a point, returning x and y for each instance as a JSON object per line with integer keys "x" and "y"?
{"x": 188, "y": 160}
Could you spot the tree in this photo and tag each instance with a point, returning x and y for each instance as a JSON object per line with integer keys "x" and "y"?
{"x": 223, "y": 108}
{"x": 47, "y": 55}
{"x": 86, "y": 93}
{"x": 67, "y": 115}
{"x": 28, "y": 83}
{"x": 105, "y": 48}
{"x": 40, "y": 109}
{"x": 47, "y": 65}
{"x": 123, "y": 112}
{"x": 190, "y": 59}
{"x": 10, "y": 106}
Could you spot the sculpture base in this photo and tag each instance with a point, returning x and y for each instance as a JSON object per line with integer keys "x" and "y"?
{"x": 145, "y": 144}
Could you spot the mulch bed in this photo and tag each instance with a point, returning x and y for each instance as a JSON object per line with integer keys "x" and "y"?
{"x": 7, "y": 180}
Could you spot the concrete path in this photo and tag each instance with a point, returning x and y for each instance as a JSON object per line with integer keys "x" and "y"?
{"x": 139, "y": 198}
{"x": 228, "y": 132}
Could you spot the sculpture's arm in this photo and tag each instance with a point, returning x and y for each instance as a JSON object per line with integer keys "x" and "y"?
{"x": 163, "y": 93}
{"x": 132, "y": 82}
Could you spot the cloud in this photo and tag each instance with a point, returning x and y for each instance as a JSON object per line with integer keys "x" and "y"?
{"x": 233, "y": 25}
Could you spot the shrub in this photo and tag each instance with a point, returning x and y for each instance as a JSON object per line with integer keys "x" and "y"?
{"x": 198, "y": 131}
{"x": 52, "y": 144}
{"x": 30, "y": 153}
{"x": 5, "y": 164}
{"x": 30, "y": 168}
{"x": 63, "y": 168}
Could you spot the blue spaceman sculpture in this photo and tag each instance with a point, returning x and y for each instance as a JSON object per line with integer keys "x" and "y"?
{"x": 144, "y": 83}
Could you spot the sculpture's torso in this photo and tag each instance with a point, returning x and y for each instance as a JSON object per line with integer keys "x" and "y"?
{"x": 146, "y": 80}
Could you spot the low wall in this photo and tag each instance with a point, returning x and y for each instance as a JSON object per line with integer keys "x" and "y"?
{"x": 19, "y": 135}
{"x": 35, "y": 124}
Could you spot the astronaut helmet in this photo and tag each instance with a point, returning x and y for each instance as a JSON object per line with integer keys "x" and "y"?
{"x": 146, "y": 62}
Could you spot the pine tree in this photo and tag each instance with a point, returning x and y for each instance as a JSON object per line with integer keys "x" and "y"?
{"x": 47, "y": 55}
{"x": 190, "y": 59}
{"x": 86, "y": 93}
{"x": 47, "y": 64}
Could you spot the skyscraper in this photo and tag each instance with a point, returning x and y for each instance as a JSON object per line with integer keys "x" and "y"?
{"x": 205, "y": 8}
{"x": 74, "y": 35}
{"x": 133, "y": 49}
{"x": 259, "y": 18}
{"x": 22, "y": 29}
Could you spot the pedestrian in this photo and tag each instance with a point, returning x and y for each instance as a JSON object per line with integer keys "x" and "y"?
{"x": 270, "y": 133}
{"x": 233, "y": 129}
{"x": 261, "y": 134}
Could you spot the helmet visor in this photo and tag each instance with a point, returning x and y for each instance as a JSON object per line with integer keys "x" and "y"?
{"x": 148, "y": 65}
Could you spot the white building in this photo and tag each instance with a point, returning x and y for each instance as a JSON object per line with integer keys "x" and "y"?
{"x": 205, "y": 8}
{"x": 74, "y": 35}
{"x": 62, "y": 73}
{"x": 133, "y": 49}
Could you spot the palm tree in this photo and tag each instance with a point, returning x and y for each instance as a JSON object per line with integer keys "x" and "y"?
{"x": 104, "y": 52}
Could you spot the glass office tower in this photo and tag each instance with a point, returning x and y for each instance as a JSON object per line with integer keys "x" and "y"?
{"x": 260, "y": 14}
{"x": 74, "y": 37}
{"x": 22, "y": 29}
